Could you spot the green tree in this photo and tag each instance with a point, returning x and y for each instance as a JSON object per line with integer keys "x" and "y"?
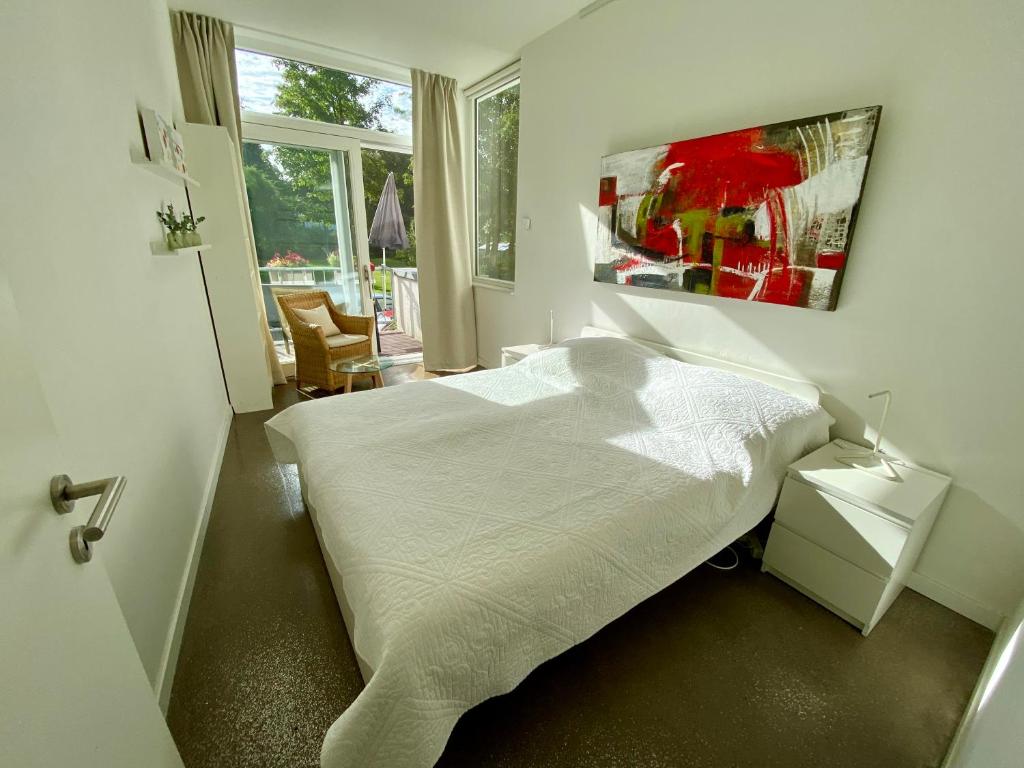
{"x": 332, "y": 96}
{"x": 497, "y": 155}
{"x": 274, "y": 219}
{"x": 290, "y": 188}
{"x": 327, "y": 95}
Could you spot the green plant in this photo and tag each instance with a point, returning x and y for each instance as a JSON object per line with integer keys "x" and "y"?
{"x": 178, "y": 225}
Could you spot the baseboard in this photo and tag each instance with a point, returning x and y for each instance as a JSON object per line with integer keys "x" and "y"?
{"x": 955, "y": 601}
{"x": 169, "y": 659}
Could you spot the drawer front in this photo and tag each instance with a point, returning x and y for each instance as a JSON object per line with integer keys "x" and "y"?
{"x": 825, "y": 576}
{"x": 862, "y": 537}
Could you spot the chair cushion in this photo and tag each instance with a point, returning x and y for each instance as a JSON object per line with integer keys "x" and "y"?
{"x": 345, "y": 339}
{"x": 318, "y": 316}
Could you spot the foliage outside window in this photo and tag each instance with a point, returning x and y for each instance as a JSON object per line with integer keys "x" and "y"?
{"x": 497, "y": 154}
{"x": 290, "y": 192}
{"x": 269, "y": 84}
{"x": 292, "y": 201}
{"x": 292, "y": 216}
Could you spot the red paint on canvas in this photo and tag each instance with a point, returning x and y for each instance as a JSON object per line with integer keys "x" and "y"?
{"x": 607, "y": 194}
{"x": 831, "y": 259}
{"x": 784, "y": 285}
{"x": 732, "y": 169}
{"x": 762, "y": 214}
{"x": 734, "y": 286}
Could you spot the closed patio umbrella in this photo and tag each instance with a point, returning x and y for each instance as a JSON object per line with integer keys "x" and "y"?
{"x": 387, "y": 231}
{"x": 388, "y": 228}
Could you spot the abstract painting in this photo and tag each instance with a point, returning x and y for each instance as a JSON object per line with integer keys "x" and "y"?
{"x": 764, "y": 214}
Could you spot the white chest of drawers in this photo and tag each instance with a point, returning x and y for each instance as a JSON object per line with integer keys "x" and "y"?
{"x": 847, "y": 538}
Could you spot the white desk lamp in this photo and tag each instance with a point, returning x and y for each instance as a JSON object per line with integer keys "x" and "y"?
{"x": 874, "y": 461}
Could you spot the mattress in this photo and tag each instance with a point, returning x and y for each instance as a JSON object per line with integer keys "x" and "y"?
{"x": 478, "y": 525}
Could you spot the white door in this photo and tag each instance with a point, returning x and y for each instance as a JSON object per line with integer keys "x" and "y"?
{"x": 347, "y": 173}
{"x": 72, "y": 688}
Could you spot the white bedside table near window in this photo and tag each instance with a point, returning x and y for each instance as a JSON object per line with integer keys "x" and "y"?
{"x": 510, "y": 355}
{"x": 847, "y": 538}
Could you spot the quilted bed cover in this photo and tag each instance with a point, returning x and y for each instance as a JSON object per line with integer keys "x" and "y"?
{"x": 487, "y": 522}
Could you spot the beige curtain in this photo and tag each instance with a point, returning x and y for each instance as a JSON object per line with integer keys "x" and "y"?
{"x": 443, "y": 256}
{"x": 205, "y": 51}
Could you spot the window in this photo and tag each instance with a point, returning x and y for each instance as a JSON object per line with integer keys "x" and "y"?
{"x": 318, "y": 144}
{"x": 301, "y": 206}
{"x": 496, "y": 138}
{"x": 278, "y": 86}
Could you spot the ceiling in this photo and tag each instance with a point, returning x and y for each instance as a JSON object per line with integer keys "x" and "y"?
{"x": 464, "y": 39}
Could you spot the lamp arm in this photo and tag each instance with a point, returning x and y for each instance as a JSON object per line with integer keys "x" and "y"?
{"x": 885, "y": 413}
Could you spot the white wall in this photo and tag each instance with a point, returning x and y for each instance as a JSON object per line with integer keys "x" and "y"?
{"x": 122, "y": 339}
{"x": 930, "y": 305}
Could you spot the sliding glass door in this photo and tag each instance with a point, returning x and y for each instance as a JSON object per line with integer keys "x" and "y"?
{"x": 308, "y": 220}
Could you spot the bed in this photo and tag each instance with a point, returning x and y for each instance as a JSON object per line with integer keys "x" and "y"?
{"x": 475, "y": 526}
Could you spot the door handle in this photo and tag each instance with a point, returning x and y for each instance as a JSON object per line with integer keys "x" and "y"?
{"x": 63, "y": 494}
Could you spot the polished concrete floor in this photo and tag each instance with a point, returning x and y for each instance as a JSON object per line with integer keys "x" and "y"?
{"x": 722, "y": 669}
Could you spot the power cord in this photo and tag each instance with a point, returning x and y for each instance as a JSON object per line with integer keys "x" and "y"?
{"x": 748, "y": 541}
{"x": 736, "y": 560}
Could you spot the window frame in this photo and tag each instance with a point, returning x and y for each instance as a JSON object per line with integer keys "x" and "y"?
{"x": 268, "y": 44}
{"x": 317, "y": 133}
{"x": 489, "y": 86}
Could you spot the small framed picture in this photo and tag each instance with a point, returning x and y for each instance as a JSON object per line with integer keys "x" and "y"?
{"x": 157, "y": 131}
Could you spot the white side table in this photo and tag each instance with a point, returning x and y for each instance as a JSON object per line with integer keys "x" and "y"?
{"x": 849, "y": 539}
{"x": 510, "y": 355}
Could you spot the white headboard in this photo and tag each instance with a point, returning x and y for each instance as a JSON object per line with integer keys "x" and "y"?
{"x": 802, "y": 389}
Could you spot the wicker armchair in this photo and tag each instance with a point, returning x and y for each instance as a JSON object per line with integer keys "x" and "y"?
{"x": 313, "y": 352}
{"x": 277, "y": 291}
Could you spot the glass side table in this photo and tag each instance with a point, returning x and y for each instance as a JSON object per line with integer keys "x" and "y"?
{"x": 354, "y": 367}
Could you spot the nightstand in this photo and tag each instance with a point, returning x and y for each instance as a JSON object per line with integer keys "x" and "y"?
{"x": 510, "y": 355}
{"x": 847, "y": 538}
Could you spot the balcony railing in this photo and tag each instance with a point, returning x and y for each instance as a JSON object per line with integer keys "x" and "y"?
{"x": 300, "y": 275}
{"x": 396, "y": 302}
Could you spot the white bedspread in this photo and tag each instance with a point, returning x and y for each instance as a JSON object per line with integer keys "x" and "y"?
{"x": 485, "y": 523}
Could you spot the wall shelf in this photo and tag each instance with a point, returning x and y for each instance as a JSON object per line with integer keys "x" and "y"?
{"x": 161, "y": 249}
{"x": 165, "y": 172}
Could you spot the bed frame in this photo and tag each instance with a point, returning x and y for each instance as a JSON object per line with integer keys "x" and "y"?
{"x": 802, "y": 389}
{"x": 805, "y": 390}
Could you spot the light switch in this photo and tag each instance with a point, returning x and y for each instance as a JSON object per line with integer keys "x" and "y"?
{"x": 527, "y": 222}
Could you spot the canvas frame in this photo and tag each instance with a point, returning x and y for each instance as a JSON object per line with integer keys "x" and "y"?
{"x": 803, "y": 268}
